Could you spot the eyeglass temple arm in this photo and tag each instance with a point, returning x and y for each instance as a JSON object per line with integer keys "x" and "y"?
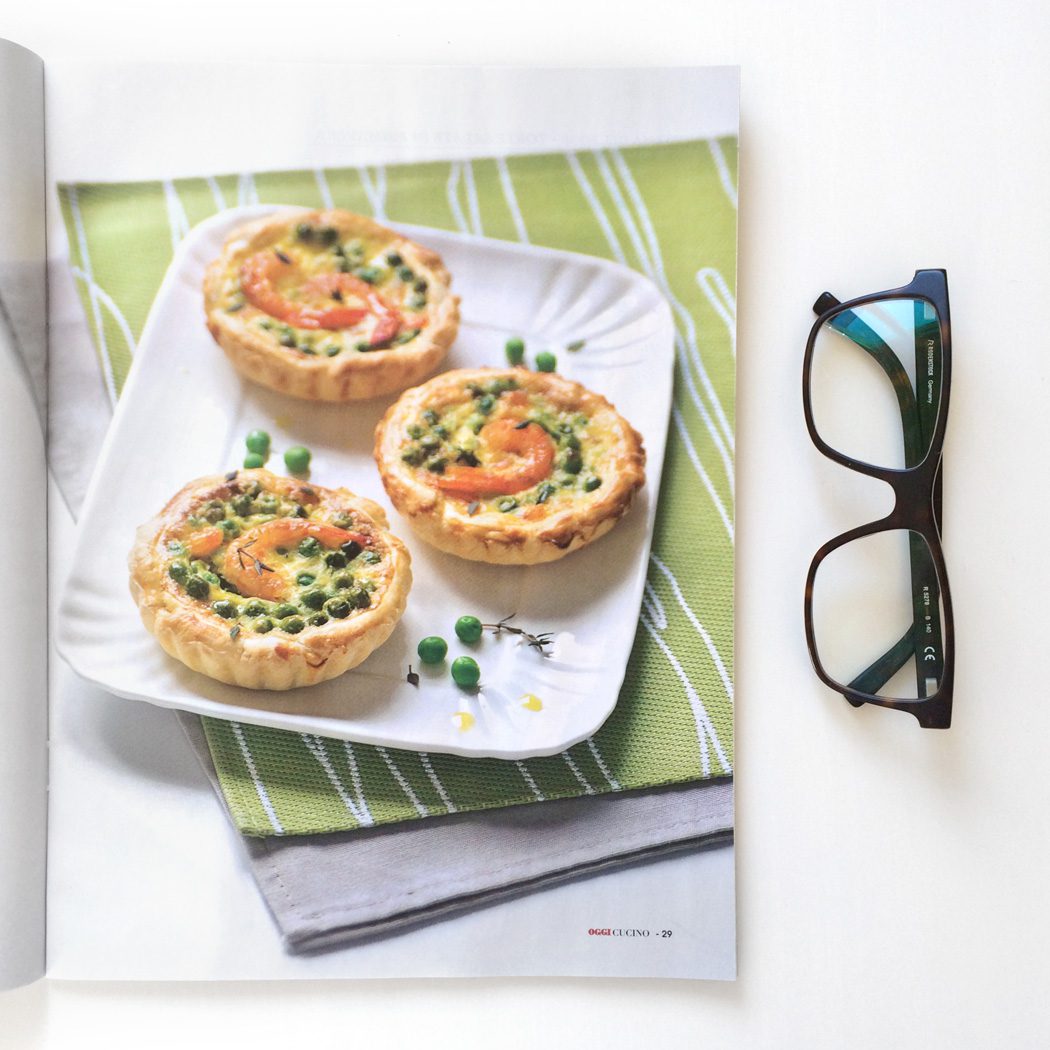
{"x": 917, "y": 421}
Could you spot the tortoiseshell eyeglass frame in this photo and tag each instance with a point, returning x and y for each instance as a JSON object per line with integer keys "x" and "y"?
{"x": 917, "y": 506}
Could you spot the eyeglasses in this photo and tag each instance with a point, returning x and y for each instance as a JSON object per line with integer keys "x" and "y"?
{"x": 875, "y": 387}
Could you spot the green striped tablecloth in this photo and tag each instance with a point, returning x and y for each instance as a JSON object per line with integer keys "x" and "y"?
{"x": 668, "y": 211}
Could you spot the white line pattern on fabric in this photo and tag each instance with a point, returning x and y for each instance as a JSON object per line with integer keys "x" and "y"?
{"x": 472, "y": 199}
{"x": 216, "y": 192}
{"x": 659, "y": 274}
{"x": 606, "y": 771}
{"x": 722, "y": 301}
{"x": 705, "y": 729}
{"x": 178, "y": 223}
{"x": 452, "y": 192}
{"x": 723, "y": 673}
{"x": 93, "y": 299}
{"x": 355, "y": 778}
{"x": 246, "y": 191}
{"x": 512, "y": 199}
{"x": 723, "y": 170}
{"x": 654, "y": 606}
{"x": 680, "y": 349}
{"x": 316, "y": 746}
{"x": 107, "y": 301}
{"x": 582, "y": 780}
{"x": 322, "y": 187}
{"x": 428, "y": 768}
{"x": 533, "y": 786}
{"x": 375, "y": 189}
{"x": 253, "y": 772}
{"x": 406, "y": 787}
{"x": 683, "y": 433}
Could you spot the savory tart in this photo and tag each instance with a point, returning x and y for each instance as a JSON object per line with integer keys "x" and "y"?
{"x": 329, "y": 306}
{"x": 508, "y": 466}
{"x": 268, "y": 582}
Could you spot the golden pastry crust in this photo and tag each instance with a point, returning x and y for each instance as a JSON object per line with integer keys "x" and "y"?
{"x": 179, "y": 566}
{"x": 582, "y": 461}
{"x": 314, "y": 256}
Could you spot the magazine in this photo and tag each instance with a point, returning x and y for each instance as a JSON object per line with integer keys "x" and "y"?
{"x": 385, "y": 427}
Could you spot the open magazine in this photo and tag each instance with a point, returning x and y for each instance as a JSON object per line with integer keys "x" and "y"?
{"x": 385, "y": 427}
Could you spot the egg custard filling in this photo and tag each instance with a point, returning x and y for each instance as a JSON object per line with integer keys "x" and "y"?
{"x": 265, "y": 559}
{"x": 501, "y": 447}
{"x": 320, "y": 294}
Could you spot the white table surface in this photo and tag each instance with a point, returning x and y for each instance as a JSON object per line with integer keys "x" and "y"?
{"x": 891, "y": 882}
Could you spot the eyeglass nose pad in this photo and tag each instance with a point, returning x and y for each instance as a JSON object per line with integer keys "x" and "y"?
{"x": 825, "y": 302}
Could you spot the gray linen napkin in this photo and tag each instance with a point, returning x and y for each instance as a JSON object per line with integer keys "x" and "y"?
{"x": 329, "y": 890}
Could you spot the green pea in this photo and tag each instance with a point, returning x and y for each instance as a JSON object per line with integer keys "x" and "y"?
{"x": 420, "y": 285}
{"x": 350, "y": 550}
{"x": 369, "y": 274}
{"x": 214, "y": 511}
{"x": 515, "y": 350}
{"x": 360, "y": 598}
{"x": 318, "y": 620}
{"x": 254, "y": 460}
{"x": 404, "y": 272}
{"x": 573, "y": 462}
{"x": 335, "y": 560}
{"x": 508, "y": 504}
{"x": 309, "y": 547}
{"x": 179, "y": 571}
{"x": 415, "y": 431}
{"x": 314, "y": 599}
{"x": 328, "y": 235}
{"x": 338, "y": 607}
{"x": 242, "y": 504}
{"x": 544, "y": 492}
{"x": 465, "y": 672}
{"x": 546, "y": 361}
{"x": 468, "y": 629}
{"x": 304, "y": 579}
{"x": 258, "y": 441}
{"x": 197, "y": 587}
{"x": 230, "y": 528}
{"x": 293, "y": 625}
{"x": 413, "y": 456}
{"x": 437, "y": 465}
{"x": 262, "y": 626}
{"x": 432, "y": 650}
{"x": 486, "y": 403}
{"x": 591, "y": 483}
{"x": 227, "y": 610}
{"x": 431, "y": 417}
{"x": 371, "y": 557}
{"x": 210, "y": 577}
{"x": 297, "y": 459}
{"x": 254, "y": 608}
{"x": 333, "y": 351}
{"x": 417, "y": 301}
{"x": 343, "y": 581}
{"x": 288, "y": 339}
{"x": 304, "y": 231}
{"x": 284, "y": 610}
{"x": 394, "y": 259}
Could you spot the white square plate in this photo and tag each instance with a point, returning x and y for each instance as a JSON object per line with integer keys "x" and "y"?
{"x": 184, "y": 412}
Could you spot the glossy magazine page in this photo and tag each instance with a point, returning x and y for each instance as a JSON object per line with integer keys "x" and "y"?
{"x": 419, "y": 434}
{"x": 23, "y": 614}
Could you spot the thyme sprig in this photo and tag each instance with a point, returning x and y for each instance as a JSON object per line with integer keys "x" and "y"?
{"x": 540, "y": 642}
{"x": 259, "y": 566}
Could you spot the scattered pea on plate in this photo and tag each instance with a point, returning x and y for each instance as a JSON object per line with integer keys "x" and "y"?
{"x": 465, "y": 672}
{"x": 297, "y": 459}
{"x": 546, "y": 361}
{"x": 432, "y": 650}
{"x": 468, "y": 629}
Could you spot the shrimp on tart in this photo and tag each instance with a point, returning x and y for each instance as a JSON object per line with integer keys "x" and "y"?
{"x": 508, "y": 466}
{"x": 266, "y": 582}
{"x": 329, "y": 306}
